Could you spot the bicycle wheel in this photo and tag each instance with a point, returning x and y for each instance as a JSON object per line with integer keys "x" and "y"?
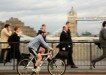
{"x": 22, "y": 69}
{"x": 56, "y": 67}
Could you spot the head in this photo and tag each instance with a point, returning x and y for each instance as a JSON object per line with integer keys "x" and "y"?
{"x": 7, "y": 26}
{"x": 43, "y": 27}
{"x": 104, "y": 24}
{"x": 65, "y": 28}
{"x": 17, "y": 29}
{"x": 68, "y": 24}
{"x": 43, "y": 33}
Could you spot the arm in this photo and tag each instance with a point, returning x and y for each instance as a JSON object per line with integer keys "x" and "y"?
{"x": 62, "y": 38}
{"x": 44, "y": 43}
{"x": 63, "y": 41}
{"x": 104, "y": 34}
{"x": 7, "y": 33}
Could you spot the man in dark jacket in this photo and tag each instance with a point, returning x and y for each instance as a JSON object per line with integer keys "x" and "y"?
{"x": 70, "y": 47}
{"x": 63, "y": 45}
{"x": 102, "y": 39}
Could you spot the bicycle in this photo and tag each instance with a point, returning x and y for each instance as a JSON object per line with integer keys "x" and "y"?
{"x": 55, "y": 66}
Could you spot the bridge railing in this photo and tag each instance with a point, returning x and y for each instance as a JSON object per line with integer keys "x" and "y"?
{"x": 83, "y": 53}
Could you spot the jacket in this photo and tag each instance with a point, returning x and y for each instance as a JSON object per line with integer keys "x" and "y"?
{"x": 102, "y": 37}
{"x": 4, "y": 38}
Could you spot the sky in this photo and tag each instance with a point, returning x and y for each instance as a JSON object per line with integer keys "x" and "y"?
{"x": 53, "y": 13}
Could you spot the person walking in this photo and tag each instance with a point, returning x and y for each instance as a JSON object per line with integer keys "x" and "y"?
{"x": 63, "y": 51}
{"x": 14, "y": 42}
{"x": 70, "y": 46}
{"x": 102, "y": 39}
{"x": 5, "y": 33}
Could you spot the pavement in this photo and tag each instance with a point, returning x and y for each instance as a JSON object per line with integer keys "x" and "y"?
{"x": 68, "y": 72}
{"x": 81, "y": 70}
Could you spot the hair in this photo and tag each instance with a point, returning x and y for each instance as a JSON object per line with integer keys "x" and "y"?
{"x": 43, "y": 25}
{"x": 6, "y": 25}
{"x": 63, "y": 27}
{"x": 16, "y": 27}
{"x": 104, "y": 23}
{"x": 40, "y": 32}
{"x": 67, "y": 22}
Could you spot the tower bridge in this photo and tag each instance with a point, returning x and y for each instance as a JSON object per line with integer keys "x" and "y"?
{"x": 74, "y": 19}
{"x": 91, "y": 19}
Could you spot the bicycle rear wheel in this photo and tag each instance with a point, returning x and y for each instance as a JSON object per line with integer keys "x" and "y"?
{"x": 22, "y": 69}
{"x": 56, "y": 67}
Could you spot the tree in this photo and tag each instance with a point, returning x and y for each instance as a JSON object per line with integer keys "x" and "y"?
{"x": 86, "y": 33}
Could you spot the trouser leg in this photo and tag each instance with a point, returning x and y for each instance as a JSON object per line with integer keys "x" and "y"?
{"x": 3, "y": 54}
{"x": 70, "y": 57}
{"x": 102, "y": 56}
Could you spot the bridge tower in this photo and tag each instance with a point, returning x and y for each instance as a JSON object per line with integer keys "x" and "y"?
{"x": 72, "y": 17}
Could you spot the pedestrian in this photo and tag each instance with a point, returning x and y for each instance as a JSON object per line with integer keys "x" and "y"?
{"x": 70, "y": 46}
{"x": 14, "y": 42}
{"x": 102, "y": 39}
{"x": 63, "y": 51}
{"x": 5, "y": 33}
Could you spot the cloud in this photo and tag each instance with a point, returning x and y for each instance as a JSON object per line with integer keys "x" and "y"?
{"x": 23, "y": 5}
{"x": 51, "y": 12}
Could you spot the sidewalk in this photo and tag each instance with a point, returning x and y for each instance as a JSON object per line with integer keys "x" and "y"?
{"x": 67, "y": 72}
{"x": 82, "y": 69}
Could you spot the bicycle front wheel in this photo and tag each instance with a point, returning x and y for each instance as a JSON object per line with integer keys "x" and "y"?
{"x": 22, "y": 68}
{"x": 56, "y": 67}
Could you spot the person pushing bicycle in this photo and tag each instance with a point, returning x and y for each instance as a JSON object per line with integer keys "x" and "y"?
{"x": 33, "y": 48}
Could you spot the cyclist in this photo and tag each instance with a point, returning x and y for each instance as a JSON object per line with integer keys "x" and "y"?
{"x": 33, "y": 48}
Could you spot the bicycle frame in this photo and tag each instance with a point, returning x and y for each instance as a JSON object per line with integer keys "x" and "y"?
{"x": 43, "y": 60}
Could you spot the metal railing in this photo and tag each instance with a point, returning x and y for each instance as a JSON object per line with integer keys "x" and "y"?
{"x": 83, "y": 53}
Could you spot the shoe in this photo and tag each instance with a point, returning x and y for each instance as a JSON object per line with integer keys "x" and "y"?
{"x": 73, "y": 66}
{"x": 93, "y": 63}
{"x": 36, "y": 70}
{"x": 5, "y": 61}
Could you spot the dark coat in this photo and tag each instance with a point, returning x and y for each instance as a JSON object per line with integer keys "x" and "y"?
{"x": 63, "y": 44}
{"x": 66, "y": 43}
{"x": 64, "y": 40}
{"x": 102, "y": 37}
{"x": 69, "y": 36}
{"x": 14, "y": 42}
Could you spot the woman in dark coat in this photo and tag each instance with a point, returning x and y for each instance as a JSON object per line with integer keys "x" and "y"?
{"x": 14, "y": 42}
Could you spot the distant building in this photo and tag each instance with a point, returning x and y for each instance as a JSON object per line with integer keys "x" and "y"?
{"x": 1, "y": 25}
{"x": 27, "y": 30}
{"x": 72, "y": 17}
